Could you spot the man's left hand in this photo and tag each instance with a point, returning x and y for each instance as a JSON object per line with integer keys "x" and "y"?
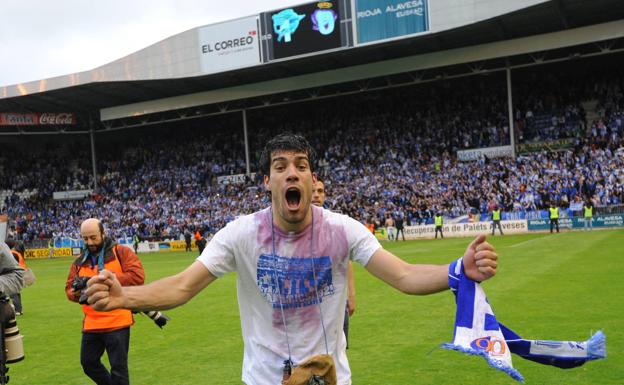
{"x": 480, "y": 260}
{"x": 351, "y": 305}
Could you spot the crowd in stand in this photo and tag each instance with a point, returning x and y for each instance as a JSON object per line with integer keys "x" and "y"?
{"x": 384, "y": 152}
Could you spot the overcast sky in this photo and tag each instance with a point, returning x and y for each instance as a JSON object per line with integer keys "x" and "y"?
{"x": 40, "y": 39}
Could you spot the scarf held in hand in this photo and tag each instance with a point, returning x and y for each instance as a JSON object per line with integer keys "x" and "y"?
{"x": 478, "y": 332}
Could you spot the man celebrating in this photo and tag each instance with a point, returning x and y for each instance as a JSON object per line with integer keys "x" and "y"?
{"x": 291, "y": 261}
{"x": 102, "y": 331}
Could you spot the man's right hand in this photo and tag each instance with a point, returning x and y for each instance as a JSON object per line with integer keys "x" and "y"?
{"x": 104, "y": 292}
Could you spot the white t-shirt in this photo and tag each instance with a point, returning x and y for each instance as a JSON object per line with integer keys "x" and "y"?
{"x": 246, "y": 246}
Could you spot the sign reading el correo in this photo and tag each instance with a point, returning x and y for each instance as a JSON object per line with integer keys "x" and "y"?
{"x": 36, "y": 118}
{"x": 490, "y": 152}
{"x": 229, "y": 45}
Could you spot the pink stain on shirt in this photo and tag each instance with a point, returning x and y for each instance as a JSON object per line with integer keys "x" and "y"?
{"x": 330, "y": 239}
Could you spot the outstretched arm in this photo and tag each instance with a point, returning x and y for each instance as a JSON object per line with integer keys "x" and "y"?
{"x": 408, "y": 278}
{"x": 105, "y": 293}
{"x": 480, "y": 262}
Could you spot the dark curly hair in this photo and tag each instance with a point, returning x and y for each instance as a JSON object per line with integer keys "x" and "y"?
{"x": 285, "y": 142}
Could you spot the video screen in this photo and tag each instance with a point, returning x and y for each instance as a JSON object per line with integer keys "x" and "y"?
{"x": 304, "y": 29}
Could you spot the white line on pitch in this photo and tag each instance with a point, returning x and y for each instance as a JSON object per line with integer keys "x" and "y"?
{"x": 531, "y": 240}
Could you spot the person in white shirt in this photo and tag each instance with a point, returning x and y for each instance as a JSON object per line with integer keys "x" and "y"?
{"x": 291, "y": 261}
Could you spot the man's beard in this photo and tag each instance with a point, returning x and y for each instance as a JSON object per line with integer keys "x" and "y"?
{"x": 96, "y": 248}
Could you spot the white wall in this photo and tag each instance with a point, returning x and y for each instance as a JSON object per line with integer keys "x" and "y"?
{"x": 449, "y": 14}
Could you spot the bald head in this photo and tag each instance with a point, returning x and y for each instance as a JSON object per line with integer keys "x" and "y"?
{"x": 92, "y": 233}
{"x": 91, "y": 224}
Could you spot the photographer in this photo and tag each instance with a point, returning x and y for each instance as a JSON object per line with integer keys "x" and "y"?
{"x": 11, "y": 274}
{"x": 101, "y": 331}
{"x": 200, "y": 241}
{"x": 18, "y": 250}
{"x": 11, "y": 282}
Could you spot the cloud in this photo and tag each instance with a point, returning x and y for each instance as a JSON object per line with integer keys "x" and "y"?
{"x": 41, "y": 39}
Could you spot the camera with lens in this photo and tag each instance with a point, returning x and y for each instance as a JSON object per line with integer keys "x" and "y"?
{"x": 80, "y": 283}
{"x": 159, "y": 318}
{"x": 12, "y": 343}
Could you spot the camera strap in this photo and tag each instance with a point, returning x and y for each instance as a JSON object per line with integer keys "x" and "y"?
{"x": 289, "y": 363}
{"x": 100, "y": 258}
{"x": 318, "y": 298}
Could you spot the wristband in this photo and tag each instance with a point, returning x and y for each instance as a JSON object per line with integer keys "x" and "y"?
{"x": 456, "y": 269}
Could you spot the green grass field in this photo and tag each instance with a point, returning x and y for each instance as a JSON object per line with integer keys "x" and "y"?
{"x": 561, "y": 287}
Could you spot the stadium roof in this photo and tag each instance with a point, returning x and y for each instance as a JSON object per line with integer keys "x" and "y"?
{"x": 599, "y": 22}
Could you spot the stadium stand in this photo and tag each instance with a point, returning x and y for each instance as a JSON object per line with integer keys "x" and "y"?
{"x": 385, "y": 151}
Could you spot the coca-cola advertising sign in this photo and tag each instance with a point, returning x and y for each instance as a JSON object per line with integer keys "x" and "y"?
{"x": 35, "y": 119}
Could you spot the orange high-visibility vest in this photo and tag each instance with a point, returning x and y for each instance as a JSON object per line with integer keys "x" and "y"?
{"x": 19, "y": 258}
{"x": 104, "y": 320}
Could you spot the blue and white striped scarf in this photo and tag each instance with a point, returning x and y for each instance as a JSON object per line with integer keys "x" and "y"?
{"x": 478, "y": 332}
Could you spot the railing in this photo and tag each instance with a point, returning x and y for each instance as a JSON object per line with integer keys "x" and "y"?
{"x": 38, "y": 243}
{"x": 615, "y": 209}
{"x": 563, "y": 213}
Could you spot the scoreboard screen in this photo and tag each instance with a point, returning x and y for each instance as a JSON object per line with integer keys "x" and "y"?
{"x": 305, "y": 29}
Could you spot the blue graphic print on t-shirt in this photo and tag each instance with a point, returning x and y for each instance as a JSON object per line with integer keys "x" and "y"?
{"x": 295, "y": 280}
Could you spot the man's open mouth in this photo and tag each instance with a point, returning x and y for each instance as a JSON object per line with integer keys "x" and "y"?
{"x": 293, "y": 198}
